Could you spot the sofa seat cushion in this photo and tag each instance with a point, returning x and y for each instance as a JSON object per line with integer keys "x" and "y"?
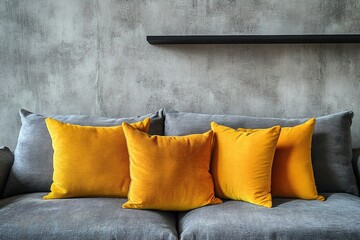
{"x": 27, "y": 216}
{"x": 336, "y": 218}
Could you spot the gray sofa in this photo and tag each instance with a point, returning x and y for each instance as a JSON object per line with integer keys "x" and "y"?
{"x": 26, "y": 176}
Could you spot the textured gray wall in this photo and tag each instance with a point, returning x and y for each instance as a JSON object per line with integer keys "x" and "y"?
{"x": 91, "y": 57}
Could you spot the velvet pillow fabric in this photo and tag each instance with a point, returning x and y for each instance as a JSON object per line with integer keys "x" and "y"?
{"x": 169, "y": 173}
{"x": 242, "y": 163}
{"x": 292, "y": 171}
{"x": 90, "y": 161}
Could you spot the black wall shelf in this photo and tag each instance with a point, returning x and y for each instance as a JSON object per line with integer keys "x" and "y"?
{"x": 254, "y": 39}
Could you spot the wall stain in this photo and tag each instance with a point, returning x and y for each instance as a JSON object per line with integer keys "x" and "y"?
{"x": 99, "y": 101}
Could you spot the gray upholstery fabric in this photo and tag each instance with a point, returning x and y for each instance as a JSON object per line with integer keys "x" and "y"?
{"x": 27, "y": 216}
{"x": 6, "y": 161}
{"x": 336, "y": 218}
{"x": 33, "y": 166}
{"x": 331, "y": 145}
{"x": 356, "y": 164}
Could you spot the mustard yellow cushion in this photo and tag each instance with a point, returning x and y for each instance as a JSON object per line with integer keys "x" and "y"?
{"x": 292, "y": 174}
{"x": 242, "y": 163}
{"x": 90, "y": 161}
{"x": 169, "y": 173}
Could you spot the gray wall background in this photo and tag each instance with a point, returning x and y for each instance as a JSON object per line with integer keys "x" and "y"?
{"x": 91, "y": 57}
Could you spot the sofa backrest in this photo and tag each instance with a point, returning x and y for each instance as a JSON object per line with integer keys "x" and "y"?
{"x": 331, "y": 147}
{"x": 331, "y": 144}
{"x": 32, "y": 170}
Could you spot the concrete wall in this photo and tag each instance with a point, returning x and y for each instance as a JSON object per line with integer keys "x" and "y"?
{"x": 91, "y": 57}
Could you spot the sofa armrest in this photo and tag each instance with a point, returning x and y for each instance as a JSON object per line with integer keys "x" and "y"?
{"x": 356, "y": 164}
{"x": 6, "y": 161}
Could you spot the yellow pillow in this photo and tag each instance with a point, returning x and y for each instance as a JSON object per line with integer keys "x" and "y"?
{"x": 169, "y": 173}
{"x": 292, "y": 174}
{"x": 242, "y": 163}
{"x": 90, "y": 161}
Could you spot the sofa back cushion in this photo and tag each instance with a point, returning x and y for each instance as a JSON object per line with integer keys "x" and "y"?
{"x": 331, "y": 143}
{"x": 32, "y": 170}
